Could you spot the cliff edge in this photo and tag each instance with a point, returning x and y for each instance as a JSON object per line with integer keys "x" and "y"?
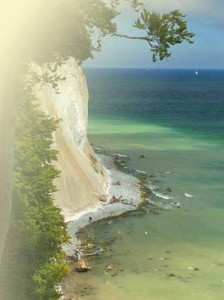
{"x": 83, "y": 180}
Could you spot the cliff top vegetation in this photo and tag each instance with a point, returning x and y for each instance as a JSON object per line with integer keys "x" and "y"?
{"x": 75, "y": 28}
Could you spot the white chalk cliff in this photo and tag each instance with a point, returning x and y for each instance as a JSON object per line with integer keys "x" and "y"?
{"x": 83, "y": 180}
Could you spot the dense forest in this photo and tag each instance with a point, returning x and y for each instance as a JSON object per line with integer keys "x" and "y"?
{"x": 33, "y": 259}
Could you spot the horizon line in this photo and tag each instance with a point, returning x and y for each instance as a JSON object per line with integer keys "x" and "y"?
{"x": 151, "y": 68}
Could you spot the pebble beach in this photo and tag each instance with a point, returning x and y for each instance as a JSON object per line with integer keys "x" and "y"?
{"x": 122, "y": 186}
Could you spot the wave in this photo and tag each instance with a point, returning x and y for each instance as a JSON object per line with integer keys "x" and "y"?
{"x": 160, "y": 195}
{"x": 120, "y": 155}
{"x": 161, "y": 205}
{"x": 139, "y": 171}
{"x": 188, "y": 195}
{"x": 151, "y": 186}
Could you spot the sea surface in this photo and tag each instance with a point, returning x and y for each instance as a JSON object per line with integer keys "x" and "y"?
{"x": 174, "y": 250}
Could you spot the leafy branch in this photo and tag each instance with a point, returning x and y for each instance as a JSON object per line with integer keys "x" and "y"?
{"x": 162, "y": 32}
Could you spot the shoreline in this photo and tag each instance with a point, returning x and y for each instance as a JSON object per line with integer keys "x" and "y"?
{"x": 122, "y": 186}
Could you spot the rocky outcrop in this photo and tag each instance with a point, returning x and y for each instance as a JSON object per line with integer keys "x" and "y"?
{"x": 83, "y": 179}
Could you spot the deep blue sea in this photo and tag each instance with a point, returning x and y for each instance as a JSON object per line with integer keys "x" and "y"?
{"x": 175, "y": 118}
{"x": 174, "y": 98}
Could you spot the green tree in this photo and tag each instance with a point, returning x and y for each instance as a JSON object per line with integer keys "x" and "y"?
{"x": 162, "y": 32}
{"x": 37, "y": 228}
{"x": 75, "y": 28}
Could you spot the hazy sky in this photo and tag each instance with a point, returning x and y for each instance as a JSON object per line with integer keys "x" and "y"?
{"x": 205, "y": 18}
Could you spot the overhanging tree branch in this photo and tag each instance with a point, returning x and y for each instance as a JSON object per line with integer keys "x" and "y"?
{"x": 143, "y": 38}
{"x": 163, "y": 31}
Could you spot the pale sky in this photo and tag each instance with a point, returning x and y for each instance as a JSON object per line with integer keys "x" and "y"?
{"x": 205, "y": 18}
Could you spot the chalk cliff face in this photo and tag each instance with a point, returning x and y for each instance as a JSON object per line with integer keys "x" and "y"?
{"x": 83, "y": 179}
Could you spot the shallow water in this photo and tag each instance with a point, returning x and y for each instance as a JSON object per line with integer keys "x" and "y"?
{"x": 174, "y": 251}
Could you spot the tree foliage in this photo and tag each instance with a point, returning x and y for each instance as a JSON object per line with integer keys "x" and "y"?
{"x": 68, "y": 28}
{"x": 33, "y": 259}
{"x": 76, "y": 28}
{"x": 163, "y": 31}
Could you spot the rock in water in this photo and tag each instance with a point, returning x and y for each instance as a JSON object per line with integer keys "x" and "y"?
{"x": 81, "y": 266}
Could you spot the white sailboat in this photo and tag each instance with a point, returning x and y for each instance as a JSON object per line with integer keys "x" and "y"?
{"x": 196, "y": 72}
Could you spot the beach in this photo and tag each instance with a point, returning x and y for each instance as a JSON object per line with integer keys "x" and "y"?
{"x": 123, "y": 195}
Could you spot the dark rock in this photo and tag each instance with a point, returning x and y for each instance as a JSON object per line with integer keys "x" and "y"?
{"x": 81, "y": 266}
{"x": 102, "y": 198}
{"x": 170, "y": 275}
{"x": 112, "y": 268}
{"x": 117, "y": 183}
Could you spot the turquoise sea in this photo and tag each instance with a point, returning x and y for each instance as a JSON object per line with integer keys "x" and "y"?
{"x": 175, "y": 251}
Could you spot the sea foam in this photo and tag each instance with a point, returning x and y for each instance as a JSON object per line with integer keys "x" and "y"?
{"x": 160, "y": 195}
{"x": 188, "y": 195}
